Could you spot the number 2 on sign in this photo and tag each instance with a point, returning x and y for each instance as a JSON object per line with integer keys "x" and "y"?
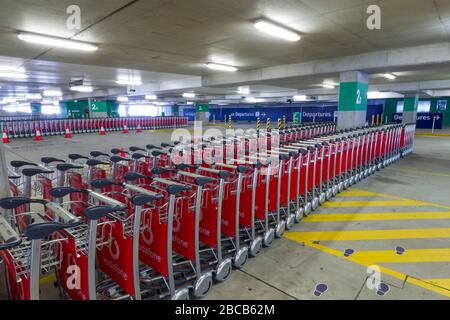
{"x": 358, "y": 97}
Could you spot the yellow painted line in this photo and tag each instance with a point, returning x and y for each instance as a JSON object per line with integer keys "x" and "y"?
{"x": 47, "y": 279}
{"x": 444, "y": 283}
{"x": 420, "y": 172}
{"x": 375, "y": 203}
{"x": 424, "y": 203}
{"x": 376, "y": 216}
{"x": 409, "y": 256}
{"x": 357, "y": 193}
{"x": 356, "y": 235}
{"x": 420, "y": 283}
{"x": 433, "y": 135}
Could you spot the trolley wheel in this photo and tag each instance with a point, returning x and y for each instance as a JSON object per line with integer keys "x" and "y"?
{"x": 268, "y": 237}
{"x": 241, "y": 258}
{"x": 334, "y": 190}
{"x": 256, "y": 246}
{"x": 315, "y": 204}
{"x": 322, "y": 198}
{"x": 329, "y": 194}
{"x": 346, "y": 183}
{"x": 279, "y": 229}
{"x": 299, "y": 214}
{"x": 181, "y": 294}
{"x": 308, "y": 208}
{"x": 223, "y": 270}
{"x": 203, "y": 285}
{"x": 341, "y": 186}
{"x": 290, "y": 221}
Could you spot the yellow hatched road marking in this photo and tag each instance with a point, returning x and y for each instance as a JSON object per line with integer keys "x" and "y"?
{"x": 47, "y": 279}
{"x": 375, "y": 203}
{"x": 420, "y": 283}
{"x": 433, "y": 135}
{"x": 376, "y": 216}
{"x": 356, "y": 235}
{"x": 444, "y": 283}
{"x": 409, "y": 256}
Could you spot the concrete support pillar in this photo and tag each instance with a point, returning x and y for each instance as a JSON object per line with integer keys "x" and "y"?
{"x": 410, "y": 108}
{"x": 352, "y": 99}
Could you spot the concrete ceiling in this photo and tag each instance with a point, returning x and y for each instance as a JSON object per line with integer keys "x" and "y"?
{"x": 167, "y": 42}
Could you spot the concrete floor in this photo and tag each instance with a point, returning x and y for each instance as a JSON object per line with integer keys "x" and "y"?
{"x": 405, "y": 205}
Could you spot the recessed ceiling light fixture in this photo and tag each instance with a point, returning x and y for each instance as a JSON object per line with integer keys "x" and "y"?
{"x": 33, "y": 96}
{"x": 389, "y": 76}
{"x": 50, "y": 41}
{"x": 300, "y": 98}
{"x": 276, "y": 30}
{"x": 52, "y": 93}
{"x": 122, "y": 98}
{"x": 221, "y": 67}
{"x": 12, "y": 72}
{"x": 329, "y": 84}
{"x": 128, "y": 82}
{"x": 81, "y": 88}
{"x": 188, "y": 95}
{"x": 151, "y": 97}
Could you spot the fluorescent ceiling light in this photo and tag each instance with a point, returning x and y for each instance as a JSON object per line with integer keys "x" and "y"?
{"x": 82, "y": 88}
{"x": 151, "y": 97}
{"x": 243, "y": 90}
{"x": 125, "y": 81}
{"x": 33, "y": 96}
{"x": 300, "y": 98}
{"x": 188, "y": 95}
{"x": 52, "y": 93}
{"x": 14, "y": 75}
{"x": 276, "y": 30}
{"x": 221, "y": 67}
{"x": 190, "y": 103}
{"x": 327, "y": 86}
{"x": 122, "y": 98}
{"x": 8, "y": 100}
{"x": 57, "y": 42}
{"x": 389, "y": 76}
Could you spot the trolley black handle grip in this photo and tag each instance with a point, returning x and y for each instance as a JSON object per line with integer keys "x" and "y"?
{"x": 165, "y": 145}
{"x": 151, "y": 146}
{"x": 20, "y": 163}
{"x": 132, "y": 176}
{"x": 159, "y": 170}
{"x": 48, "y": 160}
{"x": 138, "y": 155}
{"x": 95, "y": 162}
{"x": 103, "y": 183}
{"x": 98, "y": 212}
{"x": 134, "y": 149}
{"x": 143, "y": 199}
{"x": 96, "y": 154}
{"x": 117, "y": 151}
{"x": 42, "y": 230}
{"x": 61, "y": 192}
{"x": 14, "y": 202}
{"x": 67, "y": 166}
{"x": 116, "y": 159}
{"x": 184, "y": 166}
{"x": 76, "y": 156}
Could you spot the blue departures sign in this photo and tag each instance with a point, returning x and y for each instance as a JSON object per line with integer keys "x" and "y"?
{"x": 424, "y": 120}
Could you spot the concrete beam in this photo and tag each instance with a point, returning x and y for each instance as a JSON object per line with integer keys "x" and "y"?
{"x": 379, "y": 60}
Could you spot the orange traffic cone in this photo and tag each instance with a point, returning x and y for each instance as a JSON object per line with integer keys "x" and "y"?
{"x": 138, "y": 128}
{"x": 122, "y": 152}
{"x": 67, "y": 135}
{"x": 125, "y": 129}
{"x": 38, "y": 135}
{"x": 102, "y": 131}
{"x": 5, "y": 136}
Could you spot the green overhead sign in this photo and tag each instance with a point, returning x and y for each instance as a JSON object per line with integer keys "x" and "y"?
{"x": 202, "y": 107}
